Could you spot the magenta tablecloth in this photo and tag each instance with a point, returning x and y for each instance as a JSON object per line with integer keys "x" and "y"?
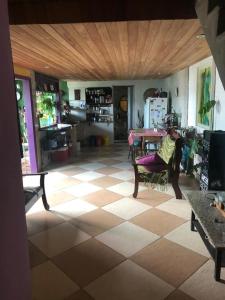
{"x": 139, "y": 133}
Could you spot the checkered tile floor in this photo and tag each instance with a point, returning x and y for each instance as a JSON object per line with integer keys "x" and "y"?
{"x": 97, "y": 242}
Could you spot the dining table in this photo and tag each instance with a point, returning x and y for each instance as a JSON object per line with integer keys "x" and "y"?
{"x": 151, "y": 134}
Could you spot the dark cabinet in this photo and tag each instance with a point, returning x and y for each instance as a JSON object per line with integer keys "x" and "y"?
{"x": 212, "y": 176}
{"x": 99, "y": 103}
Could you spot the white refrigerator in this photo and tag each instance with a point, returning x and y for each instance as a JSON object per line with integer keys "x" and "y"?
{"x": 154, "y": 111}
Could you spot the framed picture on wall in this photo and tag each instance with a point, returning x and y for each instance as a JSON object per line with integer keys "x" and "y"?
{"x": 205, "y": 95}
{"x": 76, "y": 94}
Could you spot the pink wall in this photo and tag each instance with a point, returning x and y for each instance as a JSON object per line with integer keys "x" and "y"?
{"x": 14, "y": 263}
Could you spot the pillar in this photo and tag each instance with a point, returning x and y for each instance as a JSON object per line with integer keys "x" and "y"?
{"x": 14, "y": 262}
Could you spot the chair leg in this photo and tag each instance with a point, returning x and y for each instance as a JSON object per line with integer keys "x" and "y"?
{"x": 174, "y": 182}
{"x": 136, "y": 184}
{"x": 45, "y": 202}
{"x": 129, "y": 152}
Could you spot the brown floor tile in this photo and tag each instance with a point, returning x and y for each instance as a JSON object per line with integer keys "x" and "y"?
{"x": 96, "y": 222}
{"x": 128, "y": 281}
{"x": 102, "y": 198}
{"x": 81, "y": 295}
{"x": 36, "y": 256}
{"x": 87, "y": 261}
{"x": 178, "y": 295}
{"x": 50, "y": 283}
{"x": 188, "y": 182}
{"x": 59, "y": 197}
{"x": 110, "y": 161}
{"x": 41, "y": 221}
{"x": 169, "y": 261}
{"x": 108, "y": 170}
{"x": 152, "y": 197}
{"x": 157, "y": 221}
{"x": 106, "y": 181}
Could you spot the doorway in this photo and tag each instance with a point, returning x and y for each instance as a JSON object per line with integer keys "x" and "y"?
{"x": 26, "y": 124}
{"x": 122, "y": 111}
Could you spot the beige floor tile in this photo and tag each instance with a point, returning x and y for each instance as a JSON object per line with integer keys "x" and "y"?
{"x": 124, "y": 165}
{"x": 177, "y": 207}
{"x": 126, "y": 208}
{"x": 88, "y": 176}
{"x": 202, "y": 285}
{"x": 108, "y": 170}
{"x": 49, "y": 283}
{"x": 110, "y": 161}
{"x": 169, "y": 261}
{"x": 125, "y": 188}
{"x": 179, "y": 295}
{"x": 38, "y": 206}
{"x": 128, "y": 281}
{"x": 83, "y": 189}
{"x": 73, "y": 209}
{"x": 106, "y": 181}
{"x": 58, "y": 239}
{"x": 152, "y": 197}
{"x": 96, "y": 222}
{"x": 127, "y": 238}
{"x": 59, "y": 197}
{"x": 92, "y": 166}
{"x": 36, "y": 256}
{"x": 102, "y": 197}
{"x": 157, "y": 221}
{"x": 65, "y": 183}
{"x": 183, "y": 236}
{"x": 124, "y": 175}
{"x": 41, "y": 221}
{"x": 88, "y": 261}
{"x": 54, "y": 177}
{"x": 80, "y": 295}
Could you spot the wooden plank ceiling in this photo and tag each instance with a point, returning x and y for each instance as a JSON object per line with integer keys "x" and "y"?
{"x": 109, "y": 50}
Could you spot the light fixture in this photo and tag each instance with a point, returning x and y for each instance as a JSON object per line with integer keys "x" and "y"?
{"x": 200, "y": 36}
{"x": 46, "y": 67}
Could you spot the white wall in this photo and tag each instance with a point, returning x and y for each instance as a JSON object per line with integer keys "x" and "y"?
{"x": 177, "y": 86}
{"x": 219, "y": 110}
{"x": 139, "y": 88}
{"x": 218, "y": 94}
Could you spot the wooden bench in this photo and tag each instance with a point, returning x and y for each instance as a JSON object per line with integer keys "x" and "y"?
{"x": 172, "y": 172}
{"x": 32, "y": 194}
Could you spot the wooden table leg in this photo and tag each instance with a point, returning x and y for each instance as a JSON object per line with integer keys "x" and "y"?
{"x": 192, "y": 221}
{"x": 218, "y": 259}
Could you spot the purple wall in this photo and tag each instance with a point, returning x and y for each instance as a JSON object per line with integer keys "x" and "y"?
{"x": 14, "y": 262}
{"x": 30, "y": 124}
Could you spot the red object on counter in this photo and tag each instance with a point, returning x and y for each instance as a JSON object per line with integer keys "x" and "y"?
{"x": 61, "y": 154}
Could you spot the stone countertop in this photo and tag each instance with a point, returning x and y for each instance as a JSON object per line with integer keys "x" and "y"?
{"x": 210, "y": 218}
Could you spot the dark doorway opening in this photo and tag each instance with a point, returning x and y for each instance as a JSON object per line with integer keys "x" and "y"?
{"x": 122, "y": 110}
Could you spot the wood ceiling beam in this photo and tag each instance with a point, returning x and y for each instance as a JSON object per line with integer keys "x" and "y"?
{"x": 78, "y": 11}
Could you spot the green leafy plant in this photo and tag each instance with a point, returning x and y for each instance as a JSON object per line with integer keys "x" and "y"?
{"x": 46, "y": 109}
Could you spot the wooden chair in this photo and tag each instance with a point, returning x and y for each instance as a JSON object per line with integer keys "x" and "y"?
{"x": 32, "y": 194}
{"x": 172, "y": 172}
